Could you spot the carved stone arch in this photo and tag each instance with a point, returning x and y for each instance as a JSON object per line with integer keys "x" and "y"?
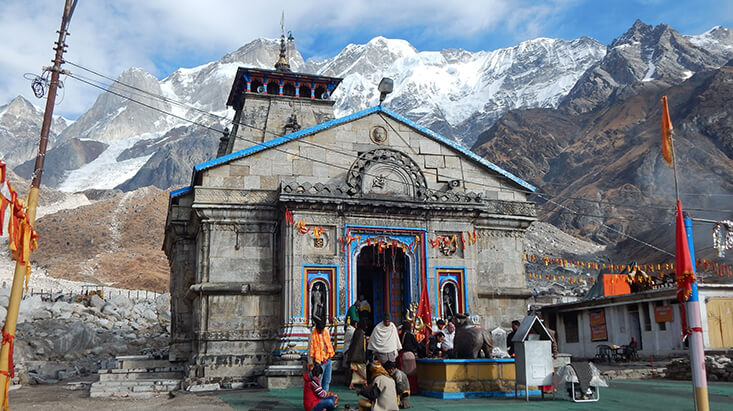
{"x": 386, "y": 172}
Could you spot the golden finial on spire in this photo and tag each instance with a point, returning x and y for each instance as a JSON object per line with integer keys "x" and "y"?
{"x": 282, "y": 62}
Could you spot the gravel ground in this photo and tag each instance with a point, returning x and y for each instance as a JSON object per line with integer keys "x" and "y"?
{"x": 58, "y": 397}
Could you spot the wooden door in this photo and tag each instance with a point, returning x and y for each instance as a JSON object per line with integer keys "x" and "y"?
{"x": 720, "y": 322}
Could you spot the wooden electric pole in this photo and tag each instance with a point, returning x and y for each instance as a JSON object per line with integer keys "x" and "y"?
{"x": 16, "y": 292}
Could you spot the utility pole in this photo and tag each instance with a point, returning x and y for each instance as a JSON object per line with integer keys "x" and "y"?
{"x": 16, "y": 293}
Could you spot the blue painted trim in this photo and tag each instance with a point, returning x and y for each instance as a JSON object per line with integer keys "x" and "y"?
{"x": 181, "y": 191}
{"x": 691, "y": 247}
{"x": 475, "y": 394}
{"x": 355, "y": 116}
{"x": 307, "y": 280}
{"x": 350, "y": 251}
{"x": 462, "y": 361}
{"x": 465, "y": 280}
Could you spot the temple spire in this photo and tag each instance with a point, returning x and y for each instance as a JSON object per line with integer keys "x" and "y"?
{"x": 282, "y": 62}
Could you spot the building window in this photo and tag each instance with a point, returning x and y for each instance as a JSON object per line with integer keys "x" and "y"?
{"x": 320, "y": 90}
{"x": 647, "y": 316}
{"x": 255, "y": 86}
{"x": 662, "y": 324}
{"x": 570, "y": 320}
{"x": 305, "y": 91}
{"x": 289, "y": 90}
{"x": 273, "y": 87}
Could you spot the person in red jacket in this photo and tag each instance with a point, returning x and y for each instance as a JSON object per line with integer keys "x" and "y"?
{"x": 315, "y": 398}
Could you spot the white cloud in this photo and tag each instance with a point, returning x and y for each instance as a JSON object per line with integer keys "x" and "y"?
{"x": 110, "y": 36}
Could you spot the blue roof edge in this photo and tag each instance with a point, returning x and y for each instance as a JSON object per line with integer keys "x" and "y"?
{"x": 181, "y": 191}
{"x": 460, "y": 148}
{"x": 351, "y": 117}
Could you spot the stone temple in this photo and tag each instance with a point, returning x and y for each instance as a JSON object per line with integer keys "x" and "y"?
{"x": 302, "y": 212}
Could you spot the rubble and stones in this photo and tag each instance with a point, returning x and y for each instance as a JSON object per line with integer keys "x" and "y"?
{"x": 62, "y": 339}
{"x": 717, "y": 368}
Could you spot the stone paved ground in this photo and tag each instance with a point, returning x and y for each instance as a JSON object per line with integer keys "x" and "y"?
{"x": 621, "y": 395}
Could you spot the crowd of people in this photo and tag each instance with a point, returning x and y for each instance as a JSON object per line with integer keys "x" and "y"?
{"x": 382, "y": 359}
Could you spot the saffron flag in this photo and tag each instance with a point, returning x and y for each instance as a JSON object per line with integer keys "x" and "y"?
{"x": 683, "y": 270}
{"x": 666, "y": 132}
{"x": 423, "y": 311}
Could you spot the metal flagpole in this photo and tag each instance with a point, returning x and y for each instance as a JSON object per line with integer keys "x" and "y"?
{"x": 20, "y": 269}
{"x": 692, "y": 305}
{"x": 694, "y": 322}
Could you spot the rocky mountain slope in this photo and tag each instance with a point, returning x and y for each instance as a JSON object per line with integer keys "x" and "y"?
{"x": 600, "y": 168}
{"x": 20, "y": 130}
{"x": 115, "y": 241}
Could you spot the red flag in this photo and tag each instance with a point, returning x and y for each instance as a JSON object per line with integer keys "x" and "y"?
{"x": 684, "y": 272}
{"x": 666, "y": 132}
{"x": 423, "y": 311}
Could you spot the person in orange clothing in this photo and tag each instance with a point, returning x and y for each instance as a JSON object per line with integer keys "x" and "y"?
{"x": 320, "y": 351}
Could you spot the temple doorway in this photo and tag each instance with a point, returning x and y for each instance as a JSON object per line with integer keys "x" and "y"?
{"x": 382, "y": 277}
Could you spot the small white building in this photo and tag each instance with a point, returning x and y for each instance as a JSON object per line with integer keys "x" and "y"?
{"x": 652, "y": 317}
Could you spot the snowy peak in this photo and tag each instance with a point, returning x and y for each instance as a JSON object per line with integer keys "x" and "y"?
{"x": 113, "y": 117}
{"x": 365, "y": 59}
{"x": 263, "y": 53}
{"x": 643, "y": 54}
{"x": 717, "y": 37}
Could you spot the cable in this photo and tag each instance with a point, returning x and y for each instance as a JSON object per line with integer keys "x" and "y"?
{"x": 351, "y": 155}
{"x": 91, "y": 83}
{"x": 614, "y": 230}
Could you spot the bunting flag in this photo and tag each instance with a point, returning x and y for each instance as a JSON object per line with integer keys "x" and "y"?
{"x": 666, "y": 132}
{"x": 684, "y": 271}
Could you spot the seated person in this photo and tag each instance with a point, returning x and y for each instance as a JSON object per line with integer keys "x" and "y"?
{"x": 434, "y": 349}
{"x": 315, "y": 398}
{"x": 402, "y": 384}
{"x": 447, "y": 345}
{"x": 381, "y": 394}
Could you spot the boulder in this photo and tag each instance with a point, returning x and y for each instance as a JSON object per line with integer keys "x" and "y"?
{"x": 96, "y": 302}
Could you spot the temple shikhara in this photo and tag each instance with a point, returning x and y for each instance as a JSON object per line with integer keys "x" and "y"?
{"x": 301, "y": 213}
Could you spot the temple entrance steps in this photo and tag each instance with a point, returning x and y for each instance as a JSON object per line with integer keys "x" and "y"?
{"x": 138, "y": 376}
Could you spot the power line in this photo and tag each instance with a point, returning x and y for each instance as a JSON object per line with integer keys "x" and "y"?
{"x": 326, "y": 148}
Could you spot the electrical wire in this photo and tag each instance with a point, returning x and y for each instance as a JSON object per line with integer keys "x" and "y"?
{"x": 350, "y": 155}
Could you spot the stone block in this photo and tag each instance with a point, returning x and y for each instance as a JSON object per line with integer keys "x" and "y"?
{"x": 429, "y": 146}
{"x": 251, "y": 183}
{"x": 238, "y": 170}
{"x": 302, "y": 167}
{"x": 434, "y": 161}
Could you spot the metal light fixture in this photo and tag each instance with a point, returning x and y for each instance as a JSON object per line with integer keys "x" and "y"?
{"x": 386, "y": 85}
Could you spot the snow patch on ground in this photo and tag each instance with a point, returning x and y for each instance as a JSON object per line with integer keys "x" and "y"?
{"x": 105, "y": 172}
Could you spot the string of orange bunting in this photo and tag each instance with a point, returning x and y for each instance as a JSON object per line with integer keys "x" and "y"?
{"x": 465, "y": 240}
{"x": 701, "y": 265}
{"x": 22, "y": 238}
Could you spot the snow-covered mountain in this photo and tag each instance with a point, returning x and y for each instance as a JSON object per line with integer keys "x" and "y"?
{"x": 20, "y": 130}
{"x": 649, "y": 57}
{"x": 457, "y": 93}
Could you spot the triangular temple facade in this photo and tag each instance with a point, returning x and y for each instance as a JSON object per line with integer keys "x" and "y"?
{"x": 300, "y": 213}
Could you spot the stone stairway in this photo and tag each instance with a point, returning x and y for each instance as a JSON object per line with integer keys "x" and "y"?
{"x": 138, "y": 376}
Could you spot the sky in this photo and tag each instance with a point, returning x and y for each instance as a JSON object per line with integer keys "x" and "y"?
{"x": 162, "y": 35}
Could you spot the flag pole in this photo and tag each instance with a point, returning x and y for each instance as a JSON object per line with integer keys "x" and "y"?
{"x": 21, "y": 269}
{"x": 685, "y": 272}
{"x": 694, "y": 337}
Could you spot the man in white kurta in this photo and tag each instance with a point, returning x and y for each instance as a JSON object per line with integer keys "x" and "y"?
{"x": 384, "y": 342}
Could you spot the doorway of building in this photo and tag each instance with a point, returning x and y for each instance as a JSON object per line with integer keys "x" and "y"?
{"x": 382, "y": 278}
{"x": 635, "y": 328}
